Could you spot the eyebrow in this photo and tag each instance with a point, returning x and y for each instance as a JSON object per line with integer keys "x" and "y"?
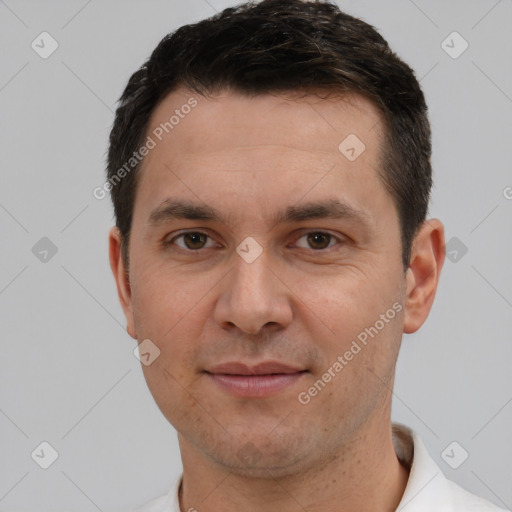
{"x": 172, "y": 209}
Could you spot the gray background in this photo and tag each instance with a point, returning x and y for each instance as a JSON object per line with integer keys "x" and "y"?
{"x": 67, "y": 372}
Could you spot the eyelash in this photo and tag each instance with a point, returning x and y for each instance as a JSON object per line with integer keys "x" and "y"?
{"x": 182, "y": 234}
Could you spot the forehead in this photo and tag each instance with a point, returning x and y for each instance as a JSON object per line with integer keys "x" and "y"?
{"x": 231, "y": 119}
{"x": 261, "y": 148}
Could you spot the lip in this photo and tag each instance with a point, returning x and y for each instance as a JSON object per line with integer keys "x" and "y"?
{"x": 261, "y": 380}
{"x": 264, "y": 368}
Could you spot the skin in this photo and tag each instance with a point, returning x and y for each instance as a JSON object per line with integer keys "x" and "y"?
{"x": 301, "y": 302}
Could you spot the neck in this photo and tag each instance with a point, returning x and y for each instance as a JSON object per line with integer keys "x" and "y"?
{"x": 362, "y": 474}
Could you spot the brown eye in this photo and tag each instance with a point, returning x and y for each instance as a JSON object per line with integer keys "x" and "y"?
{"x": 194, "y": 240}
{"x": 191, "y": 241}
{"x": 319, "y": 240}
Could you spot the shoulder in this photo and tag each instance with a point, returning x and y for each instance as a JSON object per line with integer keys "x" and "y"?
{"x": 167, "y": 503}
{"x": 427, "y": 488}
{"x": 464, "y": 501}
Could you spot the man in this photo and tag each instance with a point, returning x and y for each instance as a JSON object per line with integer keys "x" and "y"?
{"x": 270, "y": 174}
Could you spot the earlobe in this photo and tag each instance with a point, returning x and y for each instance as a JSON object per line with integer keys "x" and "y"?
{"x": 121, "y": 277}
{"x": 422, "y": 279}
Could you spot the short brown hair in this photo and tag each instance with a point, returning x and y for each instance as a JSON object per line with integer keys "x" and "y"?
{"x": 278, "y": 46}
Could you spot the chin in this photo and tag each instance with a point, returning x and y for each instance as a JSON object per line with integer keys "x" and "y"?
{"x": 263, "y": 468}
{"x": 260, "y": 458}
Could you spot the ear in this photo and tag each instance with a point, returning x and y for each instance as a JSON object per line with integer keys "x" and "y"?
{"x": 122, "y": 279}
{"x": 427, "y": 258}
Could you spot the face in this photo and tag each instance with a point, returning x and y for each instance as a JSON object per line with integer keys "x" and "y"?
{"x": 265, "y": 266}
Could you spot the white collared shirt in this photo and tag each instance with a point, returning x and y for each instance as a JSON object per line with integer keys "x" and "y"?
{"x": 427, "y": 490}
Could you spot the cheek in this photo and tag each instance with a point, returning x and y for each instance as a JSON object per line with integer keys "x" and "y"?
{"x": 170, "y": 310}
{"x": 343, "y": 303}
{"x": 164, "y": 296}
{"x": 357, "y": 318}
{"x": 172, "y": 391}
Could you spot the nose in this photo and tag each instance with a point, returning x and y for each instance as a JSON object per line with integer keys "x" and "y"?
{"x": 253, "y": 297}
